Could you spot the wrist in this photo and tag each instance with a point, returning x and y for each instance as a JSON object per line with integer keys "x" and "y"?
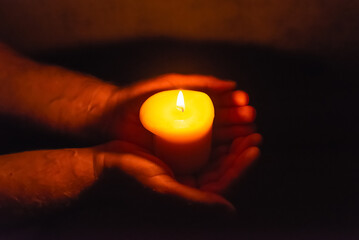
{"x": 83, "y": 108}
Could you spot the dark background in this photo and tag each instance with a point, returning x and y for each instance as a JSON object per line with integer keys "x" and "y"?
{"x": 304, "y": 186}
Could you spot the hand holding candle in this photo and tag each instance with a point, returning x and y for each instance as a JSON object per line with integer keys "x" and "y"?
{"x": 233, "y": 145}
{"x": 105, "y": 112}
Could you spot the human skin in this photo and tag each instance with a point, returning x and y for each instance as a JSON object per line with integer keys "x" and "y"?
{"x": 85, "y": 107}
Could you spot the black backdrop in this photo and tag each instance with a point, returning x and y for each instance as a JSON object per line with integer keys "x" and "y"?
{"x": 305, "y": 185}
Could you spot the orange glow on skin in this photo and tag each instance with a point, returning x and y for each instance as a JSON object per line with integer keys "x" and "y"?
{"x": 240, "y": 98}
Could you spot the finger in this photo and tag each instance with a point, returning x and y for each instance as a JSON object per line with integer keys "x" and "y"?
{"x": 155, "y": 177}
{"x": 237, "y": 147}
{"x": 241, "y": 144}
{"x": 213, "y": 174}
{"x": 212, "y": 171}
{"x": 113, "y": 153}
{"x": 228, "y": 133}
{"x": 229, "y": 99}
{"x": 167, "y": 185}
{"x": 176, "y": 81}
{"x": 235, "y": 115}
{"x": 197, "y": 82}
{"x": 241, "y": 163}
{"x": 217, "y": 156}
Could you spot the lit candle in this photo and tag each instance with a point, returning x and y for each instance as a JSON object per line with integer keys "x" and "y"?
{"x": 181, "y": 121}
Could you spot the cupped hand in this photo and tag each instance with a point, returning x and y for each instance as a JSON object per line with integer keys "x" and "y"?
{"x": 151, "y": 172}
{"x": 234, "y": 141}
{"x": 205, "y": 188}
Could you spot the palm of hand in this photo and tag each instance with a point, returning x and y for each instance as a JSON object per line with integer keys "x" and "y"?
{"x": 234, "y": 144}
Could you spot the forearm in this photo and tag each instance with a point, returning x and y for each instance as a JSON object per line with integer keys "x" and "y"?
{"x": 41, "y": 178}
{"x": 51, "y": 96}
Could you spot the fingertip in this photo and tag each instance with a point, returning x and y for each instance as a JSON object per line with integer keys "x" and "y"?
{"x": 242, "y": 162}
{"x": 229, "y": 82}
{"x": 230, "y": 207}
{"x": 240, "y": 98}
{"x": 247, "y": 113}
{"x": 221, "y": 201}
{"x": 241, "y": 144}
{"x": 257, "y": 138}
{"x": 252, "y": 153}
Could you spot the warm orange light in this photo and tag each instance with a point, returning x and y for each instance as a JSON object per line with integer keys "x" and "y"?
{"x": 180, "y": 101}
{"x": 182, "y": 138}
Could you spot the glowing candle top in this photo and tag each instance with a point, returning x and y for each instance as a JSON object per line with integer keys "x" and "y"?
{"x": 178, "y": 114}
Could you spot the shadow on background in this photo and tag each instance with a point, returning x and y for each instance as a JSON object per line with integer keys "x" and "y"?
{"x": 305, "y": 181}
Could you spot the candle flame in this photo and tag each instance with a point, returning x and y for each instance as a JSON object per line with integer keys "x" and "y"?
{"x": 180, "y": 101}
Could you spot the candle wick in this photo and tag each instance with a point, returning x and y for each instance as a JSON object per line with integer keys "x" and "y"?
{"x": 180, "y": 108}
